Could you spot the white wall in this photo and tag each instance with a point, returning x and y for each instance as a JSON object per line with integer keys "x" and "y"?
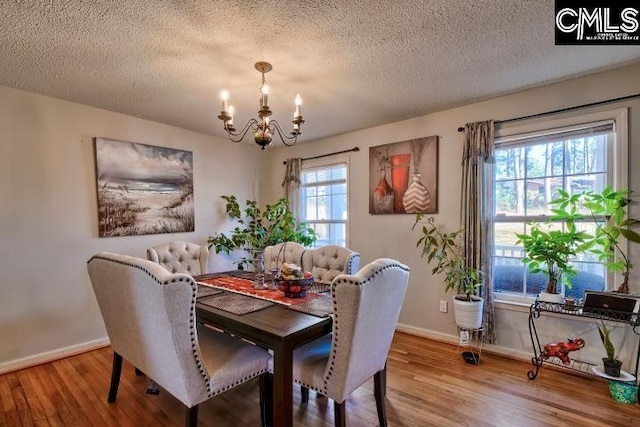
{"x": 48, "y": 215}
{"x": 48, "y": 212}
{"x": 377, "y": 236}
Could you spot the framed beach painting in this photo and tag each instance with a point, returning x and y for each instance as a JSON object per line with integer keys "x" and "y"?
{"x": 403, "y": 177}
{"x": 143, "y": 189}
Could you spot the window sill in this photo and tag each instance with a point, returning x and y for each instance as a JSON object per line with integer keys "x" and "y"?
{"x": 508, "y": 305}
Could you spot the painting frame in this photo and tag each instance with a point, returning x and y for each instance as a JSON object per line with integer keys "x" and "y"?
{"x": 142, "y": 189}
{"x": 403, "y": 177}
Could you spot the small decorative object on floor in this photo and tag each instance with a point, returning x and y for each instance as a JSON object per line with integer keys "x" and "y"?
{"x": 471, "y": 357}
{"x": 561, "y": 349}
{"x": 292, "y": 281}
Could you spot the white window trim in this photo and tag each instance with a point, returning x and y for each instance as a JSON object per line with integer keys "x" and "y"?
{"x": 335, "y": 160}
{"x": 619, "y": 166}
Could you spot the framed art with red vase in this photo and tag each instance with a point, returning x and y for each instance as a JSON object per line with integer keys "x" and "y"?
{"x": 403, "y": 177}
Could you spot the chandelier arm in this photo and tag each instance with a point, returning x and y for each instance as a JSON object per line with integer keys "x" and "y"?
{"x": 242, "y": 132}
{"x": 274, "y": 125}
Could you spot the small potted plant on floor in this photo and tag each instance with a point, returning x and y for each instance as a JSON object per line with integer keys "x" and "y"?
{"x": 445, "y": 251}
{"x": 549, "y": 248}
{"x": 612, "y": 365}
{"x": 258, "y": 229}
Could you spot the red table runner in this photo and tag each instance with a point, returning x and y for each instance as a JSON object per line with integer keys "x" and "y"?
{"x": 245, "y": 287}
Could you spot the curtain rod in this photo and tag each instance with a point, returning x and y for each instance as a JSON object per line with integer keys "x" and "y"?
{"x": 354, "y": 149}
{"x": 562, "y": 110}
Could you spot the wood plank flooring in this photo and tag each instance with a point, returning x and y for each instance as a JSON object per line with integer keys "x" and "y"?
{"x": 428, "y": 384}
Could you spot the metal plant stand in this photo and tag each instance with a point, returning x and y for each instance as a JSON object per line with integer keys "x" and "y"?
{"x": 540, "y": 307}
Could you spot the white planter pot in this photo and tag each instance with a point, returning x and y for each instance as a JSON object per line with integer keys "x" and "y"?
{"x": 468, "y": 313}
{"x": 547, "y": 297}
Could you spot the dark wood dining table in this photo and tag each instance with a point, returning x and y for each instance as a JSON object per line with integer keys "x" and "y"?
{"x": 276, "y": 327}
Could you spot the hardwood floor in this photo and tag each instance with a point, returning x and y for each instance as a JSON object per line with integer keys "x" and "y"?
{"x": 428, "y": 384}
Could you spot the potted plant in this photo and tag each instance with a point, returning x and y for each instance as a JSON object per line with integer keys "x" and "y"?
{"x": 258, "y": 229}
{"x": 445, "y": 251}
{"x": 611, "y": 363}
{"x": 549, "y": 249}
{"x": 611, "y": 206}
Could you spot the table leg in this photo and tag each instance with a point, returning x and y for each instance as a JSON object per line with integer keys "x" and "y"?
{"x": 283, "y": 386}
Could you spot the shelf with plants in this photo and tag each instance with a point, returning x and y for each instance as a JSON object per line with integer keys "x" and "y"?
{"x": 539, "y": 307}
{"x": 594, "y": 313}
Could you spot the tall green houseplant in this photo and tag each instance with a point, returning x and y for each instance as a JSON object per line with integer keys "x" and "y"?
{"x": 445, "y": 250}
{"x": 256, "y": 229}
{"x": 609, "y": 209}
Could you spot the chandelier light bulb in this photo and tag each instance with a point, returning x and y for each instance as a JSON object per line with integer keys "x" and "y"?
{"x": 231, "y": 111}
{"x": 264, "y": 89}
{"x": 298, "y": 102}
{"x": 224, "y": 95}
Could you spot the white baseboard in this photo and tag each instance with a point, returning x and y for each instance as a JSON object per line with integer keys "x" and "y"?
{"x": 61, "y": 353}
{"x": 452, "y": 339}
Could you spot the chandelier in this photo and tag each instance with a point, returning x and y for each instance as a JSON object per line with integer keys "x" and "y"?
{"x": 264, "y": 128}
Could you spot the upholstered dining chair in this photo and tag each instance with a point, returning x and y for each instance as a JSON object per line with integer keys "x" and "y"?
{"x": 180, "y": 257}
{"x": 326, "y": 262}
{"x": 290, "y": 252}
{"x": 150, "y": 317}
{"x": 366, "y": 307}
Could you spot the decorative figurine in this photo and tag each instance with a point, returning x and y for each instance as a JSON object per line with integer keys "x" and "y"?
{"x": 561, "y": 349}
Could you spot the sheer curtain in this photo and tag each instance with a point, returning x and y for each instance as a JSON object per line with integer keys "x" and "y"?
{"x": 291, "y": 184}
{"x": 476, "y": 211}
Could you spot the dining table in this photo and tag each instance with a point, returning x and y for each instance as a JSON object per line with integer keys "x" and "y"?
{"x": 227, "y": 301}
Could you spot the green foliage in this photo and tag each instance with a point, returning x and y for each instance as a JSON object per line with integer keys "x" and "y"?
{"x": 550, "y": 250}
{"x": 609, "y": 208}
{"x": 445, "y": 250}
{"x": 606, "y": 341}
{"x": 258, "y": 229}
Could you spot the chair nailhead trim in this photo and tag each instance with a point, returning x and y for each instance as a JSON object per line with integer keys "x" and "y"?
{"x": 192, "y": 327}
{"x": 352, "y": 280}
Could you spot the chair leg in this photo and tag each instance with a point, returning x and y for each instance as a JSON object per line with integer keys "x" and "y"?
{"x": 304, "y": 394}
{"x": 266, "y": 399}
{"x": 139, "y": 373}
{"x": 379, "y": 389}
{"x": 339, "y": 414}
{"x": 116, "y": 370}
{"x": 192, "y": 416}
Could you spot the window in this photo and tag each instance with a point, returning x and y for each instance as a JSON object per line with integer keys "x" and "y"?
{"x": 323, "y": 202}
{"x": 529, "y": 170}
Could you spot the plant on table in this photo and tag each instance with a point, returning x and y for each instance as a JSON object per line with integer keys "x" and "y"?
{"x": 611, "y": 363}
{"x": 258, "y": 229}
{"x": 550, "y": 248}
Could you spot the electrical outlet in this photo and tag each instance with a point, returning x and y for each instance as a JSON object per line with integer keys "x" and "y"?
{"x": 464, "y": 337}
{"x": 443, "y": 306}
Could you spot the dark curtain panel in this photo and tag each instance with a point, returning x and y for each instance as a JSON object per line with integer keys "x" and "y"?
{"x": 476, "y": 211}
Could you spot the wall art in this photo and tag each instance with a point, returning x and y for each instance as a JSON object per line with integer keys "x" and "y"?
{"x": 403, "y": 177}
{"x": 143, "y": 189}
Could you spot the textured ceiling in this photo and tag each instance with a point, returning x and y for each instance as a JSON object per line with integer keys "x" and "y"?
{"x": 356, "y": 63}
